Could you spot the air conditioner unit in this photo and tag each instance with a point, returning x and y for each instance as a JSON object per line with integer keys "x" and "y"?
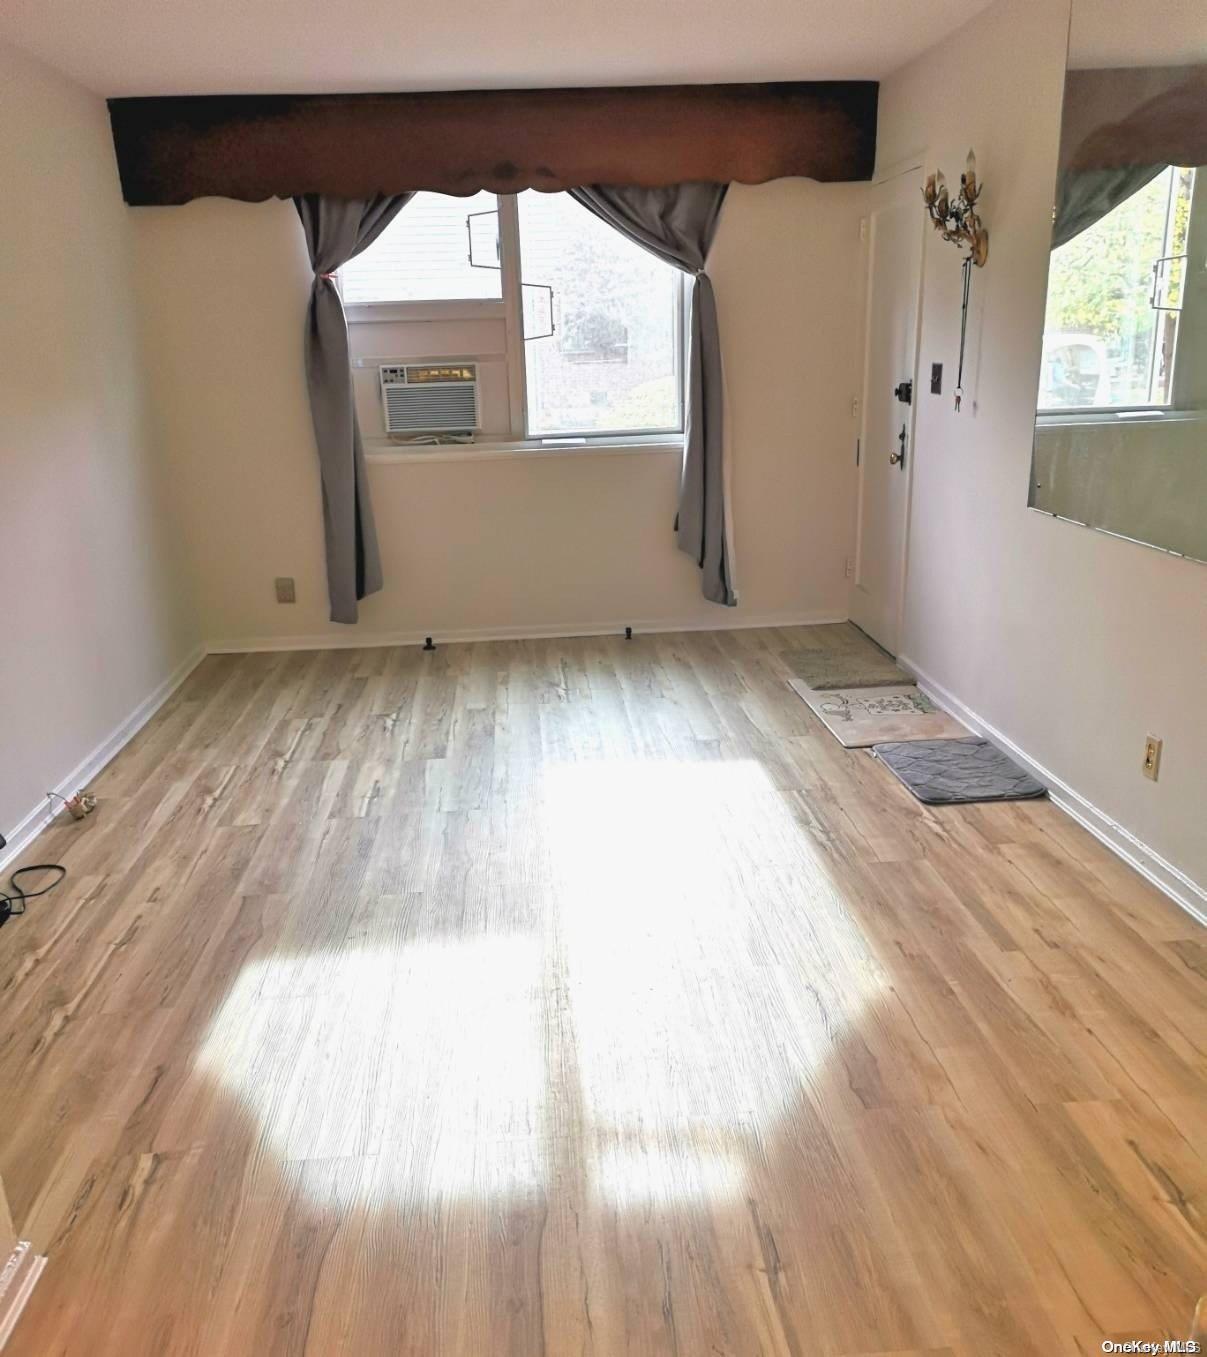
{"x": 430, "y": 398}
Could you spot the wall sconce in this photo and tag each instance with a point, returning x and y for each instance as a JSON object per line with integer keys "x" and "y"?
{"x": 957, "y": 221}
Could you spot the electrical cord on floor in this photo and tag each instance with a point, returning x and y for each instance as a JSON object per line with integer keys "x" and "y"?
{"x": 13, "y": 900}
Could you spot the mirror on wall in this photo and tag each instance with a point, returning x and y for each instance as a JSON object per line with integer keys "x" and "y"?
{"x": 1121, "y": 424}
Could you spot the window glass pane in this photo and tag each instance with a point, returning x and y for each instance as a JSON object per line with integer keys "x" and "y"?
{"x": 1105, "y": 343}
{"x": 423, "y": 255}
{"x": 612, "y": 361}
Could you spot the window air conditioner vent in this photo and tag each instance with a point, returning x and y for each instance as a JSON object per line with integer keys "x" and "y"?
{"x": 430, "y": 398}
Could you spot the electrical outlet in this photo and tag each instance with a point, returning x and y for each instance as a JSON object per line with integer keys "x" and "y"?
{"x": 1151, "y": 767}
{"x": 285, "y": 590}
{"x": 850, "y": 566}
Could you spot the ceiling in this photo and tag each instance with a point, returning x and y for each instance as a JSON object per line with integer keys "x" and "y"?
{"x": 118, "y": 47}
{"x": 1106, "y": 33}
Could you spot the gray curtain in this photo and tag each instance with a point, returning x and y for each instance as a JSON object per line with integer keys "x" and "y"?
{"x": 1084, "y": 197}
{"x": 677, "y": 223}
{"x": 338, "y": 229}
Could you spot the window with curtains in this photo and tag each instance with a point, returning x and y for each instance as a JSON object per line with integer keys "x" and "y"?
{"x": 585, "y": 327}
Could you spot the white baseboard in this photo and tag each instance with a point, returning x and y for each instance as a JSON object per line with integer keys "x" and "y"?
{"x": 42, "y": 814}
{"x": 1164, "y": 875}
{"x": 353, "y": 638}
{"x": 20, "y": 1272}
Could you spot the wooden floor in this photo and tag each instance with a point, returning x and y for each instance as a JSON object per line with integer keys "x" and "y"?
{"x": 585, "y": 997}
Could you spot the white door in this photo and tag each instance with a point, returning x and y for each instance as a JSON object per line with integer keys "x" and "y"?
{"x": 890, "y": 394}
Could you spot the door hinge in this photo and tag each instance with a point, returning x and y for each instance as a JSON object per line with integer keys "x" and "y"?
{"x": 857, "y": 451}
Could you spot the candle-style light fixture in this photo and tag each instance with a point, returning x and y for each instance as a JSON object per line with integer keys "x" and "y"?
{"x": 956, "y": 220}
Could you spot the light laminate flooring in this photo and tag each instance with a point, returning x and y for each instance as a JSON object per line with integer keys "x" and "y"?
{"x": 584, "y": 998}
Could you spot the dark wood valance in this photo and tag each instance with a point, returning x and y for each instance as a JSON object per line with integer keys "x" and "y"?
{"x": 252, "y": 147}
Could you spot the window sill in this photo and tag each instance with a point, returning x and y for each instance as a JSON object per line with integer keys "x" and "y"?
{"x": 1052, "y": 419}
{"x": 382, "y": 450}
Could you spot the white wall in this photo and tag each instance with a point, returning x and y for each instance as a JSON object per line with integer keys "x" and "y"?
{"x": 1073, "y": 644}
{"x": 94, "y": 613}
{"x": 556, "y": 542}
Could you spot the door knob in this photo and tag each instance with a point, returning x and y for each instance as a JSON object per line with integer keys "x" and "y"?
{"x": 904, "y": 392}
{"x": 898, "y": 458}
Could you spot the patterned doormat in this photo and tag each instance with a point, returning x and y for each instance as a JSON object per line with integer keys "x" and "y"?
{"x": 859, "y": 717}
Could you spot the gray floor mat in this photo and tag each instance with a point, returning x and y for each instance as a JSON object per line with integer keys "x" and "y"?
{"x": 948, "y": 772}
{"x": 838, "y": 655}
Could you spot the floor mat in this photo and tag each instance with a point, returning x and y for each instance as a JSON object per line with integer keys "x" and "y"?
{"x": 858, "y": 717}
{"x": 839, "y": 655}
{"x": 950, "y": 772}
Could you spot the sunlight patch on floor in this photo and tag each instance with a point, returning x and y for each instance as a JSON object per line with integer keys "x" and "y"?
{"x": 432, "y": 1054}
{"x": 650, "y": 1175}
{"x": 634, "y": 1053}
{"x": 683, "y": 1024}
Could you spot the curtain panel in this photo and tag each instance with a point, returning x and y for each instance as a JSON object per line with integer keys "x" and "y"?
{"x": 1084, "y": 197}
{"x": 1120, "y": 128}
{"x": 1135, "y": 116}
{"x": 338, "y": 229}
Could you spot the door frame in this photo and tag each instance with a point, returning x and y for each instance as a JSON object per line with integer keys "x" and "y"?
{"x": 909, "y": 167}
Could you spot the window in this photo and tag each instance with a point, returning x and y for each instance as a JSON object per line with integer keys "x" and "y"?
{"x": 1114, "y": 296}
{"x": 589, "y": 324}
{"x": 612, "y": 360}
{"x": 423, "y": 255}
